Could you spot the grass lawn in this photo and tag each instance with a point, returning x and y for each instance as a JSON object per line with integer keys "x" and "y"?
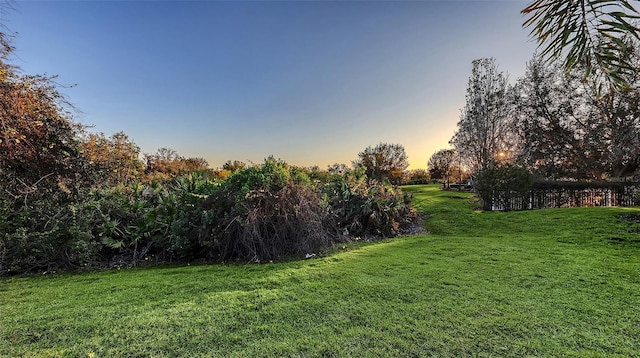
{"x": 539, "y": 283}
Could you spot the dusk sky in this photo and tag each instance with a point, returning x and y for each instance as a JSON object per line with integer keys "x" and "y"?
{"x": 310, "y": 82}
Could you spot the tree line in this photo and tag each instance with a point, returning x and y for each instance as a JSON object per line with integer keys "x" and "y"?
{"x": 574, "y": 115}
{"x": 551, "y": 122}
{"x": 548, "y": 125}
{"x": 72, "y": 199}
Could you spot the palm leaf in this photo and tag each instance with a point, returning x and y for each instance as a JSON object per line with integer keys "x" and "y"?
{"x": 587, "y": 34}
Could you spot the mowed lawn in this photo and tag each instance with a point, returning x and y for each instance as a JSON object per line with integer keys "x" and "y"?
{"x": 560, "y": 282}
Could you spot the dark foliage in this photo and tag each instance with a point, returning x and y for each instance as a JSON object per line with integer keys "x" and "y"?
{"x": 72, "y": 201}
{"x": 384, "y": 162}
{"x": 260, "y": 213}
{"x": 128, "y": 224}
{"x": 273, "y": 211}
{"x": 265, "y": 213}
{"x": 365, "y": 207}
{"x": 416, "y": 176}
{"x": 498, "y": 183}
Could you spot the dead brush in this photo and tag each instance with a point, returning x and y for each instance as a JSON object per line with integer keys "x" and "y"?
{"x": 270, "y": 225}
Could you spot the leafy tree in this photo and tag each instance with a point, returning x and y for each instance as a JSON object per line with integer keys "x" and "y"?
{"x": 233, "y": 166}
{"x": 441, "y": 165}
{"x": 384, "y": 161}
{"x": 115, "y": 160}
{"x": 620, "y": 130}
{"x": 549, "y": 114}
{"x": 194, "y": 164}
{"x": 484, "y": 128}
{"x": 39, "y": 146}
{"x": 164, "y": 160}
{"x": 593, "y": 35}
{"x": 416, "y": 176}
{"x": 568, "y": 131}
{"x": 166, "y": 163}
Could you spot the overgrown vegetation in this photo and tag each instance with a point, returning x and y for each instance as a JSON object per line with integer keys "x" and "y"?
{"x": 73, "y": 200}
{"x": 260, "y": 213}
{"x": 538, "y": 283}
{"x": 268, "y": 212}
{"x": 498, "y": 183}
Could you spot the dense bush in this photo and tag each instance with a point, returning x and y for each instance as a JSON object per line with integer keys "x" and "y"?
{"x": 366, "y": 207}
{"x": 498, "y": 183}
{"x": 45, "y": 235}
{"x": 267, "y": 212}
{"x": 155, "y": 221}
{"x": 272, "y": 211}
{"x": 102, "y": 226}
{"x": 259, "y": 213}
{"x": 416, "y": 176}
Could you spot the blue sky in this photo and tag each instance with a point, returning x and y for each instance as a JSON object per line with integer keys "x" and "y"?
{"x": 310, "y": 82}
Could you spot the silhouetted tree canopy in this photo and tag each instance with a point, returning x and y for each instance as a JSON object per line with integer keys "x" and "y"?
{"x": 384, "y": 161}
{"x": 441, "y": 165}
{"x": 484, "y": 129}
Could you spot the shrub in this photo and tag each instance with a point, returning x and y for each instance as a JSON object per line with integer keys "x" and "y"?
{"x": 259, "y": 213}
{"x": 129, "y": 224}
{"x": 497, "y": 184}
{"x": 47, "y": 234}
{"x": 160, "y": 221}
{"x": 416, "y": 176}
{"x": 364, "y": 207}
{"x": 265, "y": 213}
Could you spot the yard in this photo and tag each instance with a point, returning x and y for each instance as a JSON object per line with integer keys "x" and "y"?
{"x": 542, "y": 283}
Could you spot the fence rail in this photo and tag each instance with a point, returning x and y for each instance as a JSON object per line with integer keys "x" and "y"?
{"x": 572, "y": 194}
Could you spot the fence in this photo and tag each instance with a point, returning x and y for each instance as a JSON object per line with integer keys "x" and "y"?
{"x": 569, "y": 194}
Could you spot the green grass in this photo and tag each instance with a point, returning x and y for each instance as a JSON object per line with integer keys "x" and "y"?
{"x": 538, "y": 283}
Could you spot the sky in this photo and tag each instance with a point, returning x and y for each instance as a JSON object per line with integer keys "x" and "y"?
{"x": 309, "y": 82}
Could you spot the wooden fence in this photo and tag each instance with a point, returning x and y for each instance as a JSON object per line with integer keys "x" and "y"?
{"x": 569, "y": 194}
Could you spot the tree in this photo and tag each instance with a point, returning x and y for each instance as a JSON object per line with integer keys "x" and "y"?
{"x": 115, "y": 160}
{"x": 568, "y": 131}
{"x": 7, "y": 70}
{"x": 591, "y": 34}
{"x": 441, "y": 165}
{"x": 484, "y": 128}
{"x": 384, "y": 161}
{"x": 233, "y": 166}
{"x": 549, "y": 116}
{"x": 416, "y": 176}
{"x": 194, "y": 164}
{"x": 39, "y": 142}
{"x": 167, "y": 163}
{"x": 621, "y": 130}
